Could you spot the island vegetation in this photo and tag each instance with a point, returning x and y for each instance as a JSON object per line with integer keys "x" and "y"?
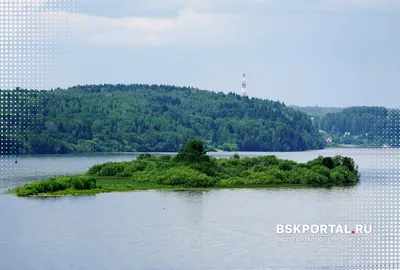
{"x": 193, "y": 168}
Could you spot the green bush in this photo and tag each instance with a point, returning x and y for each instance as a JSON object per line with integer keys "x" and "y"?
{"x": 107, "y": 169}
{"x": 342, "y": 176}
{"x": 192, "y": 152}
{"x": 111, "y": 169}
{"x": 144, "y": 156}
{"x": 164, "y": 158}
{"x": 232, "y": 181}
{"x": 130, "y": 168}
{"x": 276, "y": 173}
{"x": 285, "y": 165}
{"x": 337, "y": 161}
{"x": 315, "y": 179}
{"x": 81, "y": 183}
{"x": 322, "y": 170}
{"x": 297, "y": 176}
{"x": 328, "y": 162}
{"x": 349, "y": 163}
{"x": 338, "y": 176}
{"x": 26, "y": 191}
{"x": 262, "y": 178}
{"x": 78, "y": 182}
{"x": 95, "y": 169}
{"x": 208, "y": 166}
{"x": 184, "y": 176}
{"x": 269, "y": 160}
{"x": 317, "y": 161}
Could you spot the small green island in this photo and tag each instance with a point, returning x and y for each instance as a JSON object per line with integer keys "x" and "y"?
{"x": 192, "y": 168}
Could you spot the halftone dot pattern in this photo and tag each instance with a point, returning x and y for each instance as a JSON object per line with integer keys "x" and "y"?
{"x": 19, "y": 115}
{"x": 386, "y": 204}
{"x": 33, "y": 36}
{"x": 355, "y": 210}
{"x": 377, "y": 205}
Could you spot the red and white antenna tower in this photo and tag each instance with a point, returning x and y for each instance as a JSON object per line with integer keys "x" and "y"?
{"x": 244, "y": 85}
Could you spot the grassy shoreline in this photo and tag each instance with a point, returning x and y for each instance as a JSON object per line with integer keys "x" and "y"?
{"x": 125, "y": 184}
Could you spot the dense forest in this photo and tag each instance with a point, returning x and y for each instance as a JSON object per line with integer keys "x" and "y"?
{"x": 369, "y": 126}
{"x": 150, "y": 118}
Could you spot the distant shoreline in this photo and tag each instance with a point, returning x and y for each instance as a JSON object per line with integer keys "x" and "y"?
{"x": 344, "y": 146}
{"x": 358, "y": 146}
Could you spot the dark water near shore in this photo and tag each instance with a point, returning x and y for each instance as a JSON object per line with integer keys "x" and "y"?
{"x": 213, "y": 229}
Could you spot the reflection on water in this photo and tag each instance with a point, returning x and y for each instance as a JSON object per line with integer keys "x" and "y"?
{"x": 197, "y": 229}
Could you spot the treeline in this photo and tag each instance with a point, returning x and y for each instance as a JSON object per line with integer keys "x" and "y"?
{"x": 151, "y": 118}
{"x": 362, "y": 126}
{"x": 317, "y": 111}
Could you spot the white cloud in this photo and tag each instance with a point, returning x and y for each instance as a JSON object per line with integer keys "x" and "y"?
{"x": 187, "y": 28}
{"x": 200, "y": 22}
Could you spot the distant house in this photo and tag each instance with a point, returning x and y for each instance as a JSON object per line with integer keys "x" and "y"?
{"x": 329, "y": 140}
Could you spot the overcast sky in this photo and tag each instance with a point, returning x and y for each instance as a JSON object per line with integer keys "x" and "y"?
{"x": 300, "y": 52}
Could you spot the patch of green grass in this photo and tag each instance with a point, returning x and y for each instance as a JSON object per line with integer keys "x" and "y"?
{"x": 103, "y": 185}
{"x": 126, "y": 184}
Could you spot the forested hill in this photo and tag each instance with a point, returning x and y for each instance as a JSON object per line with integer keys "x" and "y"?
{"x": 372, "y": 126}
{"x": 98, "y": 118}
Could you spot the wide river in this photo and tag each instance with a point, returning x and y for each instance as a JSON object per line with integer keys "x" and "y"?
{"x": 212, "y": 229}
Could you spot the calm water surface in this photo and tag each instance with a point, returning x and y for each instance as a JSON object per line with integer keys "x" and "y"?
{"x": 213, "y": 229}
